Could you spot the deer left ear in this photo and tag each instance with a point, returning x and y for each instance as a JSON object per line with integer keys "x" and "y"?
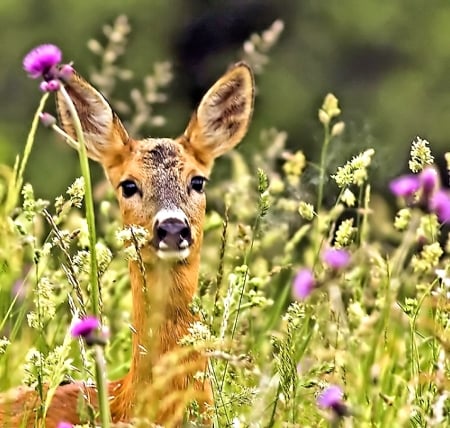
{"x": 104, "y": 134}
{"x": 223, "y": 116}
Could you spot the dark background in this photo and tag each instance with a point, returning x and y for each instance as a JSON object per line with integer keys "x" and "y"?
{"x": 387, "y": 61}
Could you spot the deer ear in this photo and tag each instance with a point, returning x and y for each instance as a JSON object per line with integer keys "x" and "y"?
{"x": 103, "y": 131}
{"x": 223, "y": 116}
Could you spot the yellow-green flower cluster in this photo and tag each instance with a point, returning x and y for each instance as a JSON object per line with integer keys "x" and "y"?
{"x": 428, "y": 228}
{"x": 199, "y": 334}
{"x": 306, "y": 210}
{"x": 134, "y": 238}
{"x": 348, "y": 198}
{"x": 345, "y": 234}
{"x": 420, "y": 155}
{"x": 329, "y": 110}
{"x": 76, "y": 192}
{"x": 428, "y": 258}
{"x": 402, "y": 219}
{"x": 355, "y": 170}
{"x": 294, "y": 166}
{"x": 44, "y": 302}
{"x": 31, "y": 206}
{"x": 81, "y": 260}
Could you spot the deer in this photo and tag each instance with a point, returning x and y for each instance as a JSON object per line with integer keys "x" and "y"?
{"x": 159, "y": 184}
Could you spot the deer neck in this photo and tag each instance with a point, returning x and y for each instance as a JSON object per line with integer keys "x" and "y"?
{"x": 162, "y": 294}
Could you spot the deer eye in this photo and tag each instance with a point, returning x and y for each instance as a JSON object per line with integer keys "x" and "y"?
{"x": 129, "y": 188}
{"x": 198, "y": 183}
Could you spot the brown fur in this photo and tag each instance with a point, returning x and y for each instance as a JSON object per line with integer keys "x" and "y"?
{"x": 161, "y": 373}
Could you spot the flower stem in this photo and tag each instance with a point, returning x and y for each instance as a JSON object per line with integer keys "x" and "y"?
{"x": 322, "y": 166}
{"x": 95, "y": 288}
{"x": 102, "y": 389}
{"x": 323, "y": 157}
{"x": 89, "y": 204}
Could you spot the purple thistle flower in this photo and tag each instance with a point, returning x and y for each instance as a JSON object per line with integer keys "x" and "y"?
{"x": 332, "y": 398}
{"x": 64, "y": 425}
{"x": 429, "y": 180}
{"x": 440, "y": 204}
{"x": 85, "y": 327}
{"x": 336, "y": 258}
{"x": 304, "y": 283}
{"x": 405, "y": 186}
{"x": 39, "y": 61}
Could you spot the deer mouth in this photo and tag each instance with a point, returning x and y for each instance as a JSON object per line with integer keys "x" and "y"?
{"x": 168, "y": 253}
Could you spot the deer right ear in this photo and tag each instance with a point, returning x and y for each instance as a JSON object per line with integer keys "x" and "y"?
{"x": 104, "y": 134}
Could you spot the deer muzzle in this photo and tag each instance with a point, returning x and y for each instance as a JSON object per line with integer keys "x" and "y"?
{"x": 172, "y": 237}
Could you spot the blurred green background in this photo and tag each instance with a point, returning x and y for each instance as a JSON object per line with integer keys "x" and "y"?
{"x": 387, "y": 61}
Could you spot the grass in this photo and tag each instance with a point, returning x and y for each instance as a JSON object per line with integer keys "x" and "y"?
{"x": 377, "y": 328}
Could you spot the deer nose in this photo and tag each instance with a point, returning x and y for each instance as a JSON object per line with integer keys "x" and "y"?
{"x": 172, "y": 234}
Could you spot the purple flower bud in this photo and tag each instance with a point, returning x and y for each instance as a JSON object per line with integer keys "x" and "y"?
{"x": 53, "y": 85}
{"x": 39, "y": 61}
{"x": 440, "y": 205}
{"x": 304, "y": 283}
{"x": 85, "y": 327}
{"x": 65, "y": 72}
{"x": 429, "y": 180}
{"x": 336, "y": 258}
{"x": 330, "y": 397}
{"x": 404, "y": 186}
{"x": 50, "y": 86}
{"x": 43, "y": 86}
{"x": 47, "y": 119}
{"x": 64, "y": 425}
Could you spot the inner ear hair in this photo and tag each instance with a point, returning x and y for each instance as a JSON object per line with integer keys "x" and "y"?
{"x": 224, "y": 113}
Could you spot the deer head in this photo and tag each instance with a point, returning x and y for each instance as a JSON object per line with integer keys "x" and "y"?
{"x": 159, "y": 182}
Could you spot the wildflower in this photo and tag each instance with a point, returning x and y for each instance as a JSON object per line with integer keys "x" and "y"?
{"x": 336, "y": 258}
{"x": 348, "y": 198}
{"x": 332, "y": 398}
{"x": 304, "y": 284}
{"x": 429, "y": 180}
{"x": 295, "y": 164}
{"x": 330, "y": 109}
{"x": 427, "y": 259}
{"x": 306, "y": 210}
{"x": 85, "y": 327}
{"x": 402, "y": 219}
{"x": 440, "y": 204}
{"x": 420, "y": 155}
{"x": 355, "y": 170}
{"x": 337, "y": 129}
{"x": 42, "y": 60}
{"x": 405, "y": 186}
{"x": 344, "y": 234}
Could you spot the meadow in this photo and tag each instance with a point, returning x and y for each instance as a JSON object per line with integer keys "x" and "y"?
{"x": 321, "y": 302}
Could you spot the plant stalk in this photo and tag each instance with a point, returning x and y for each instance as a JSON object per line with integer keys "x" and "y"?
{"x": 89, "y": 204}
{"x": 93, "y": 277}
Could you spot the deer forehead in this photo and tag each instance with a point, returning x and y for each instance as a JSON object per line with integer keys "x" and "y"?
{"x": 156, "y": 160}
